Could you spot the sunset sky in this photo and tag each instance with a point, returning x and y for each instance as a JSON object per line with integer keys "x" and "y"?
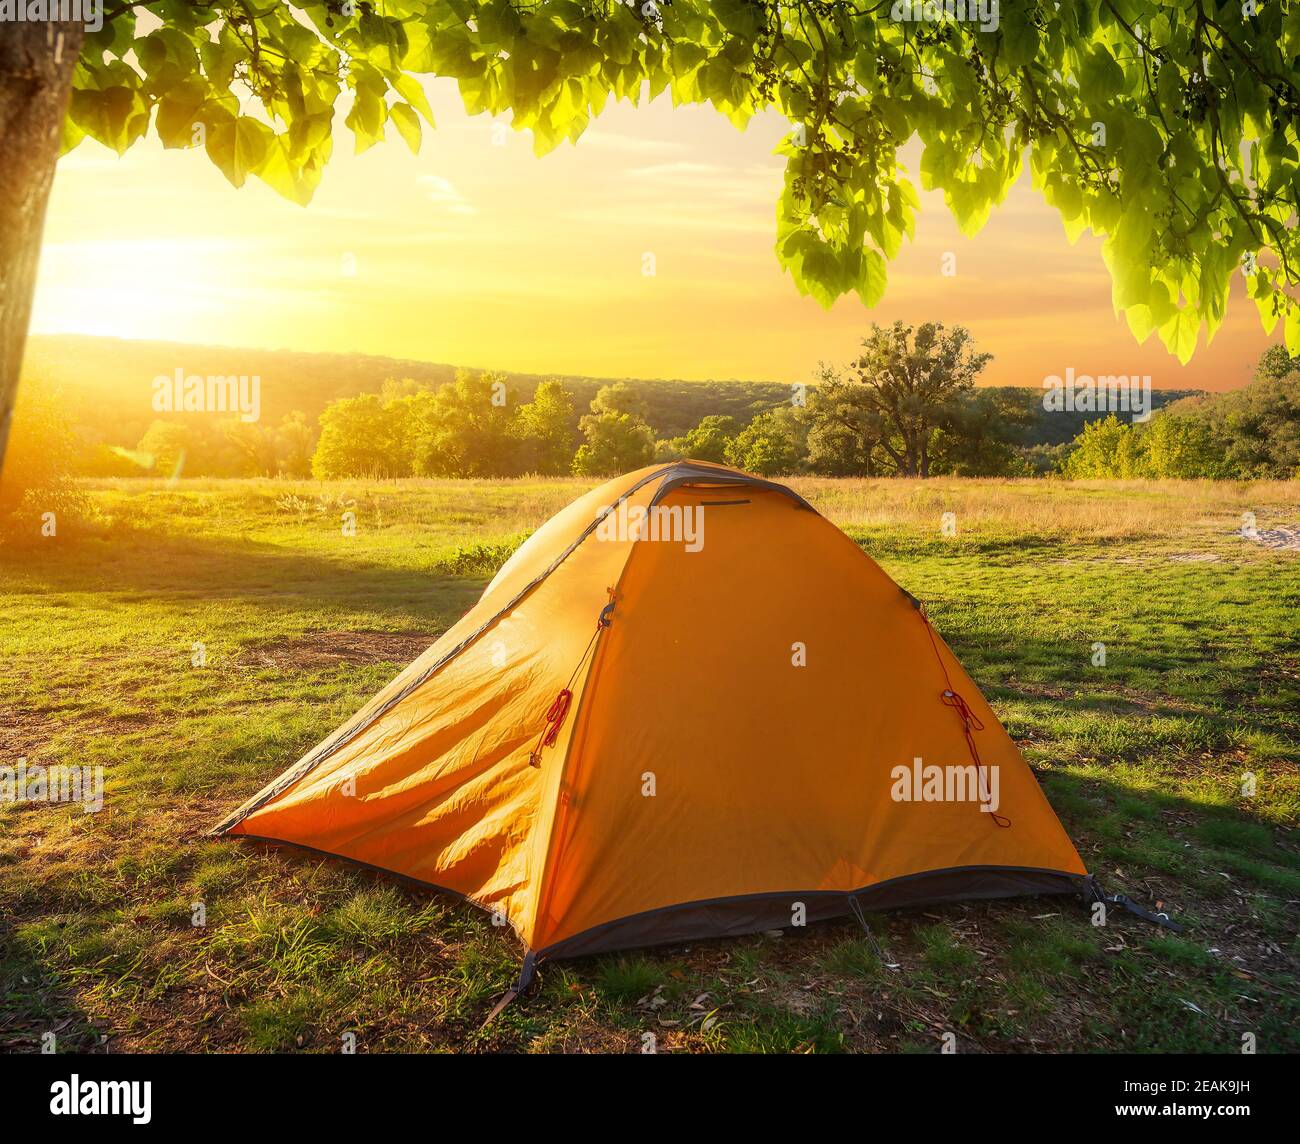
{"x": 477, "y": 253}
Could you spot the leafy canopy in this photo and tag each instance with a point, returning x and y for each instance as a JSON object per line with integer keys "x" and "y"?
{"x": 1168, "y": 126}
{"x": 907, "y": 385}
{"x": 617, "y": 438}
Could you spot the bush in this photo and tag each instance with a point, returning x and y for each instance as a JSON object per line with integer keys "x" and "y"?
{"x": 766, "y": 446}
{"x": 481, "y": 558}
{"x": 40, "y": 463}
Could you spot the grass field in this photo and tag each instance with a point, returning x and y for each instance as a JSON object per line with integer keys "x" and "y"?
{"x": 1144, "y": 759}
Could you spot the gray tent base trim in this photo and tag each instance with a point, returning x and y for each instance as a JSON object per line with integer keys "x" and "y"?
{"x": 753, "y": 913}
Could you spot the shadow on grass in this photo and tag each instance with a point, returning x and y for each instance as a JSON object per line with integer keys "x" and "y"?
{"x": 140, "y": 565}
{"x": 35, "y": 1007}
{"x": 1173, "y": 689}
{"x": 336, "y": 904}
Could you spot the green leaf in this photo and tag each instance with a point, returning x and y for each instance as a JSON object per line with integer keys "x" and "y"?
{"x": 294, "y": 178}
{"x": 167, "y": 56}
{"x": 411, "y": 90}
{"x": 1100, "y": 77}
{"x": 1019, "y": 39}
{"x": 72, "y": 135}
{"x": 177, "y": 112}
{"x": 220, "y": 56}
{"x": 1291, "y": 330}
{"x": 1179, "y": 334}
{"x": 739, "y": 17}
{"x": 369, "y": 112}
{"x": 408, "y": 124}
{"x": 378, "y": 39}
{"x": 116, "y": 116}
{"x": 239, "y": 147}
{"x": 872, "y": 280}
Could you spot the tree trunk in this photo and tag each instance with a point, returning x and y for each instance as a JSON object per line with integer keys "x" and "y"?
{"x": 36, "y": 63}
{"x": 909, "y": 455}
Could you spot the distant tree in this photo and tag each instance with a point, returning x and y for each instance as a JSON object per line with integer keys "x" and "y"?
{"x": 394, "y": 388}
{"x": 903, "y": 389}
{"x": 1258, "y": 427}
{"x": 295, "y": 441}
{"x": 617, "y": 436}
{"x": 768, "y": 445}
{"x": 843, "y": 435}
{"x": 1041, "y": 460}
{"x": 255, "y": 446}
{"x": 619, "y": 397}
{"x": 835, "y": 450}
{"x": 1252, "y": 433}
{"x": 1181, "y": 448}
{"x": 102, "y": 460}
{"x": 466, "y": 430}
{"x": 165, "y": 447}
{"x": 709, "y": 439}
{"x": 670, "y": 449}
{"x": 978, "y": 434}
{"x": 1275, "y": 363}
{"x": 1105, "y": 449}
{"x": 543, "y": 431}
{"x": 1247, "y": 433}
{"x": 1169, "y": 446}
{"x": 360, "y": 436}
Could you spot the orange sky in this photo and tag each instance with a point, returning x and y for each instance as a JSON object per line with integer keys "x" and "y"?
{"x": 475, "y": 252}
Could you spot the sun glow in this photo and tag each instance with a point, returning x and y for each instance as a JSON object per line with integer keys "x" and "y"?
{"x": 476, "y": 252}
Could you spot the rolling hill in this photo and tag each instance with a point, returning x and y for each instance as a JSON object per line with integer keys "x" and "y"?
{"x": 108, "y": 385}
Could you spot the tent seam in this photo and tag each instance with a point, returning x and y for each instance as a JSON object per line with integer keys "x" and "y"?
{"x": 296, "y": 774}
{"x": 550, "y": 857}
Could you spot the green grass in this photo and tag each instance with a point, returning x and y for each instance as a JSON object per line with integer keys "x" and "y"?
{"x": 1145, "y": 758}
{"x": 624, "y": 980}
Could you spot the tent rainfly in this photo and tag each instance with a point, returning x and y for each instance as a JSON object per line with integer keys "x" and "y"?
{"x": 687, "y": 707}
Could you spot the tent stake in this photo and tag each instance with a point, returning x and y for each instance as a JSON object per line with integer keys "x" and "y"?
{"x": 526, "y": 973}
{"x": 1095, "y": 893}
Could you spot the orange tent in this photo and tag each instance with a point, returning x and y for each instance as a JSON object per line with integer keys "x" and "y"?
{"x": 688, "y": 706}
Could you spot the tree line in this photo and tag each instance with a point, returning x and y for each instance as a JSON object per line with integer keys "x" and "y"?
{"x": 908, "y": 405}
{"x": 1251, "y": 433}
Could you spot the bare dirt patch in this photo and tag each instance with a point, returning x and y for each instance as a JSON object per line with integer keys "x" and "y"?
{"x": 1196, "y": 558}
{"x": 1280, "y": 539}
{"x": 24, "y": 733}
{"x": 315, "y": 650}
{"x": 21, "y": 732}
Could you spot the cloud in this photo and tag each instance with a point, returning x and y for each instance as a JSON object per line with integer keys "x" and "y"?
{"x": 697, "y": 183}
{"x": 627, "y": 144}
{"x": 668, "y": 218}
{"x": 443, "y": 193}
